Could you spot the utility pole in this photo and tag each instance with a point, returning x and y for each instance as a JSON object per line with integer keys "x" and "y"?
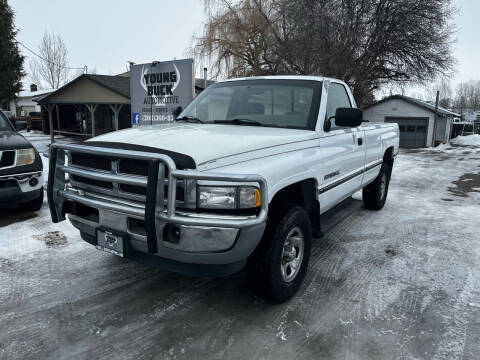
{"x": 435, "y": 120}
{"x": 205, "y": 80}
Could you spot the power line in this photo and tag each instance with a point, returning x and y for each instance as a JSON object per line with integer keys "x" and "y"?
{"x": 48, "y": 61}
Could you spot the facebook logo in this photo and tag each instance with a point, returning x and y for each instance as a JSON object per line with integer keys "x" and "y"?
{"x": 135, "y": 118}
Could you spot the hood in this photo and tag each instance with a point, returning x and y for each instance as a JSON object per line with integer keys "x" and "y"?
{"x": 10, "y": 140}
{"x": 207, "y": 142}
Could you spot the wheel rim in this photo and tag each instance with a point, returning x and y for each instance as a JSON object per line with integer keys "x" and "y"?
{"x": 292, "y": 254}
{"x": 383, "y": 186}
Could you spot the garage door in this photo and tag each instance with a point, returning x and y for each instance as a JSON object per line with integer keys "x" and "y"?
{"x": 413, "y": 131}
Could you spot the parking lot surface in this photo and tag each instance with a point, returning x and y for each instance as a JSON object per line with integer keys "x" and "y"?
{"x": 403, "y": 282}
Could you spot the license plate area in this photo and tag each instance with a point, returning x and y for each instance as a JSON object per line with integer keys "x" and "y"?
{"x": 111, "y": 241}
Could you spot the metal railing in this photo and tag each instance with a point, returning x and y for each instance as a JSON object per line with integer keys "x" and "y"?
{"x": 155, "y": 209}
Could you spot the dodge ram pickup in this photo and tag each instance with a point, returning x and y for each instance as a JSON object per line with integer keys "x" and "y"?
{"x": 240, "y": 179}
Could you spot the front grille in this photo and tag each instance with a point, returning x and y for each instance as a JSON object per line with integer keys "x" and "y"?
{"x": 7, "y": 158}
{"x": 124, "y": 167}
{"x": 133, "y": 167}
{"x": 92, "y": 182}
{"x": 93, "y": 162}
{"x": 139, "y": 190}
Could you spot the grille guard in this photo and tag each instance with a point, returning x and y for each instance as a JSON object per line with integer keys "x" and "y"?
{"x": 155, "y": 209}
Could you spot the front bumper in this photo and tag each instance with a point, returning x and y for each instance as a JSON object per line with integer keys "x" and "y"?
{"x": 20, "y": 188}
{"x": 203, "y": 239}
{"x": 201, "y": 251}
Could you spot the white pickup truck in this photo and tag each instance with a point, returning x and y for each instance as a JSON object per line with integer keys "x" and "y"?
{"x": 241, "y": 178}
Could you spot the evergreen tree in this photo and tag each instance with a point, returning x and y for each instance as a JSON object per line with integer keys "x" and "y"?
{"x": 11, "y": 61}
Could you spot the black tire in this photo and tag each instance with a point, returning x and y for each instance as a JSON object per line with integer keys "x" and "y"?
{"x": 375, "y": 194}
{"x": 35, "y": 204}
{"x": 264, "y": 267}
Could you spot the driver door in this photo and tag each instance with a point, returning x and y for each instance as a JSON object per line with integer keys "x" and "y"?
{"x": 343, "y": 153}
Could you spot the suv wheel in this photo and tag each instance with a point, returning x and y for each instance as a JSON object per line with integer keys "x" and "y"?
{"x": 278, "y": 266}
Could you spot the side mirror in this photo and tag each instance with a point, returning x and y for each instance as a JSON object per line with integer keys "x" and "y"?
{"x": 177, "y": 111}
{"x": 346, "y": 117}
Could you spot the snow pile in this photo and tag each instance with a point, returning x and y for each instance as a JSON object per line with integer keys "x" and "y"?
{"x": 447, "y": 148}
{"x": 473, "y": 140}
{"x": 45, "y": 168}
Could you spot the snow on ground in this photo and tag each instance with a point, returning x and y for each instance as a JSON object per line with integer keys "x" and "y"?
{"x": 473, "y": 140}
{"x": 403, "y": 282}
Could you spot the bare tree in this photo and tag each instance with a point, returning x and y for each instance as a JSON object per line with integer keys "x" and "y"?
{"x": 445, "y": 92}
{"x": 51, "y": 67}
{"x": 468, "y": 96}
{"x": 234, "y": 40}
{"x": 461, "y": 97}
{"x": 367, "y": 43}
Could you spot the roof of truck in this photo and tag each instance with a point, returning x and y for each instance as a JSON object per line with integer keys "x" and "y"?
{"x": 284, "y": 77}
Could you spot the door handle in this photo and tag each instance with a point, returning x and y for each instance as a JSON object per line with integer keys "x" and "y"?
{"x": 360, "y": 141}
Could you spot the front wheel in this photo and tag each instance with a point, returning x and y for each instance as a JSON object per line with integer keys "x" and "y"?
{"x": 278, "y": 266}
{"x": 375, "y": 194}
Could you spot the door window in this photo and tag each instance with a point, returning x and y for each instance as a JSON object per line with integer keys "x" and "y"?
{"x": 337, "y": 98}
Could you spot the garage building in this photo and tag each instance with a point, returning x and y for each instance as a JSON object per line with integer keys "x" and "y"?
{"x": 419, "y": 127}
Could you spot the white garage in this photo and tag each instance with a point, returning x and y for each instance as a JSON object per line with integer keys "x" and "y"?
{"x": 415, "y": 118}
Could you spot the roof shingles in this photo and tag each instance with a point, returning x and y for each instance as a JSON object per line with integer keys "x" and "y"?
{"x": 119, "y": 84}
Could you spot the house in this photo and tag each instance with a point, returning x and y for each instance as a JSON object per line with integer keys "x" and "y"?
{"x": 88, "y": 105}
{"x": 25, "y": 103}
{"x": 418, "y": 123}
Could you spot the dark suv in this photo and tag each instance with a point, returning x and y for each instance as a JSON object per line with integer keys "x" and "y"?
{"x": 21, "y": 169}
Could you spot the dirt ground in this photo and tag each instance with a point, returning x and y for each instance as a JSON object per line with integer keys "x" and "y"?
{"x": 400, "y": 283}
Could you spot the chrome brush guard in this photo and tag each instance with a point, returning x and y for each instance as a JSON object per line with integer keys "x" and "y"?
{"x": 159, "y": 205}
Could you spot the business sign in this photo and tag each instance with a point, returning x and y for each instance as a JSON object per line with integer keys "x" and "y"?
{"x": 158, "y": 88}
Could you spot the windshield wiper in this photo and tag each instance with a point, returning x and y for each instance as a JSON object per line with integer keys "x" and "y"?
{"x": 240, "y": 122}
{"x": 190, "y": 119}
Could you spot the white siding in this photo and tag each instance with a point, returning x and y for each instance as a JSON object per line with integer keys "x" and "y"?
{"x": 399, "y": 108}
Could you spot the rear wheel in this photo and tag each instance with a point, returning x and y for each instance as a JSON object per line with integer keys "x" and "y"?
{"x": 35, "y": 204}
{"x": 375, "y": 194}
{"x": 278, "y": 266}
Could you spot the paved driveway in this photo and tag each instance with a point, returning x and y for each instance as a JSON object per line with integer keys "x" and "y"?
{"x": 400, "y": 283}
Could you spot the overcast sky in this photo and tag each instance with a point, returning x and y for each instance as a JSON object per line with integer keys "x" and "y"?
{"x": 105, "y": 34}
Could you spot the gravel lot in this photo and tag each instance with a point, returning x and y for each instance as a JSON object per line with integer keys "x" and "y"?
{"x": 400, "y": 283}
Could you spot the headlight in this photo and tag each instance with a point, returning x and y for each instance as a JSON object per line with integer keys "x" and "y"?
{"x": 25, "y": 156}
{"x": 229, "y": 197}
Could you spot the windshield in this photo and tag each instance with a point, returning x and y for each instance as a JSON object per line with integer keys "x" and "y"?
{"x": 275, "y": 103}
{"x": 4, "y": 123}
